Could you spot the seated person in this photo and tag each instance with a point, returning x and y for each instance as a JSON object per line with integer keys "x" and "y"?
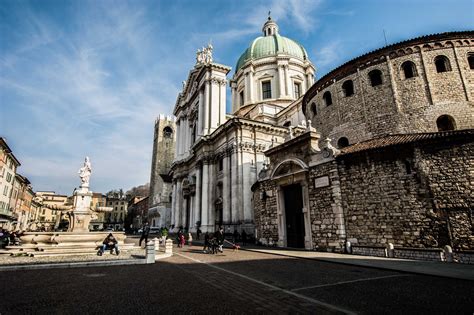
{"x": 109, "y": 243}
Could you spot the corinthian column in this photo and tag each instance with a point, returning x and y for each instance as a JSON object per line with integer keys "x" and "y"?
{"x": 205, "y": 195}
{"x": 197, "y": 203}
{"x": 226, "y": 191}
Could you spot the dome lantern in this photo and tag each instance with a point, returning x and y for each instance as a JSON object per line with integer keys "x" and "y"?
{"x": 270, "y": 27}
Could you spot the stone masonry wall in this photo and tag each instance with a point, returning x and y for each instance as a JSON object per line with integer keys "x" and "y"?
{"x": 447, "y": 170}
{"x": 382, "y": 202}
{"x": 265, "y": 210}
{"x": 399, "y": 104}
{"x": 417, "y": 195}
{"x": 323, "y": 202}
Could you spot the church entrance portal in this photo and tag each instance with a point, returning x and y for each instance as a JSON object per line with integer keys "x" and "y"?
{"x": 294, "y": 216}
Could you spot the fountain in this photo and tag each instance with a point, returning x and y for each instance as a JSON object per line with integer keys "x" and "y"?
{"x": 78, "y": 240}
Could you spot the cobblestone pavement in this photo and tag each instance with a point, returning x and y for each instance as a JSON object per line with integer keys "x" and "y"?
{"x": 232, "y": 282}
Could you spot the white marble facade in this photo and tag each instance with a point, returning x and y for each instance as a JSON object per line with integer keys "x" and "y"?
{"x": 218, "y": 156}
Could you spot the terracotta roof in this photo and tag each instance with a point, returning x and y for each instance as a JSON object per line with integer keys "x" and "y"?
{"x": 392, "y": 140}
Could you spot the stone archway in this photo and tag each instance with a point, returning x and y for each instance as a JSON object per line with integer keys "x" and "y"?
{"x": 294, "y": 222}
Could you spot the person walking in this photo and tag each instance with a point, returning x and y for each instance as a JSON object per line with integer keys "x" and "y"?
{"x": 145, "y": 232}
{"x": 198, "y": 233}
{"x": 206, "y": 242}
{"x": 244, "y": 237}
{"x": 220, "y": 239}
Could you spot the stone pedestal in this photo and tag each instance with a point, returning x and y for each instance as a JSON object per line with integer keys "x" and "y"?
{"x": 82, "y": 214}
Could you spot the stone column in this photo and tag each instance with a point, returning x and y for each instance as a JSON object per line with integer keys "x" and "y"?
{"x": 179, "y": 204}
{"x": 222, "y": 104}
{"x": 205, "y": 195}
{"x": 281, "y": 81}
{"x": 463, "y": 80}
{"x": 234, "y": 98}
{"x": 287, "y": 81}
{"x": 181, "y": 137}
{"x": 251, "y": 88}
{"x": 235, "y": 186}
{"x": 215, "y": 103}
{"x": 188, "y": 136}
{"x": 197, "y": 203}
{"x": 200, "y": 113}
{"x": 192, "y": 223}
{"x": 184, "y": 211}
{"x": 174, "y": 203}
{"x": 246, "y": 185}
{"x": 211, "y": 191}
{"x": 226, "y": 204}
{"x": 207, "y": 108}
{"x": 247, "y": 88}
{"x": 393, "y": 84}
{"x": 426, "y": 77}
{"x": 176, "y": 149}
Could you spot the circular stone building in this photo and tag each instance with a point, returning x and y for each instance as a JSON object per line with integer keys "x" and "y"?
{"x": 419, "y": 85}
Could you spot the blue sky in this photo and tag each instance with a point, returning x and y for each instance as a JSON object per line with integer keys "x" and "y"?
{"x": 84, "y": 77}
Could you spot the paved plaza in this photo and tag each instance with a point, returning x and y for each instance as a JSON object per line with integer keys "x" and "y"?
{"x": 232, "y": 282}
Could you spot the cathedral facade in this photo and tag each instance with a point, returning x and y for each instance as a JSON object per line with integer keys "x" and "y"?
{"x": 218, "y": 156}
{"x": 376, "y": 152}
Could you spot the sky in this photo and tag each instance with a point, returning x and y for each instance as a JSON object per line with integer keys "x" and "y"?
{"x": 88, "y": 78}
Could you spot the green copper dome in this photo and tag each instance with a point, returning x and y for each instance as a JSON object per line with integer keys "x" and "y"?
{"x": 271, "y": 45}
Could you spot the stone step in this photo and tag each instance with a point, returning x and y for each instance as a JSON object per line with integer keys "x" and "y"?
{"x": 21, "y": 248}
{"x": 52, "y": 254}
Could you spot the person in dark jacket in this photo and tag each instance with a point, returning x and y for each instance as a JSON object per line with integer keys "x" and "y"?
{"x": 110, "y": 242}
{"x": 206, "y": 242}
{"x": 145, "y": 233}
{"x": 220, "y": 238}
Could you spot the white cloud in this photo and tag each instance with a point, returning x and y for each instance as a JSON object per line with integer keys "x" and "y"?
{"x": 329, "y": 55}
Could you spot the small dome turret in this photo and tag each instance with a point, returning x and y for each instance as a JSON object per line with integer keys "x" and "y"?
{"x": 270, "y": 27}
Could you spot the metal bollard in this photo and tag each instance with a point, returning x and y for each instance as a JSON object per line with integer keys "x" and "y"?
{"x": 150, "y": 252}
{"x": 157, "y": 243}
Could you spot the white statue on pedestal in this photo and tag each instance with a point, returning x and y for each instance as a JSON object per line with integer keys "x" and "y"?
{"x": 85, "y": 172}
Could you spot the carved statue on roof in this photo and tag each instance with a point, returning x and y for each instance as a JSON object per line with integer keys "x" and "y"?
{"x": 204, "y": 56}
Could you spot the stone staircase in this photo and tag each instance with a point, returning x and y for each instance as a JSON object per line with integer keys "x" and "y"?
{"x": 64, "y": 250}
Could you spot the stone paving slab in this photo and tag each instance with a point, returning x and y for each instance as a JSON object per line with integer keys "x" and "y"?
{"x": 441, "y": 269}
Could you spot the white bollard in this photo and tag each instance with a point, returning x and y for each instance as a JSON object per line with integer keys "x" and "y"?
{"x": 150, "y": 252}
{"x": 389, "y": 250}
{"x": 157, "y": 243}
{"x": 348, "y": 247}
{"x": 169, "y": 247}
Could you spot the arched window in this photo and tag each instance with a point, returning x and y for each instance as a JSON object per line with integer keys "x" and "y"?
{"x": 167, "y": 132}
{"x": 342, "y": 142}
{"x": 375, "y": 77}
{"x": 445, "y": 123}
{"x": 287, "y": 124}
{"x": 470, "y": 60}
{"x": 327, "y": 98}
{"x": 442, "y": 64}
{"x": 409, "y": 69}
{"x": 348, "y": 88}
{"x": 314, "y": 109}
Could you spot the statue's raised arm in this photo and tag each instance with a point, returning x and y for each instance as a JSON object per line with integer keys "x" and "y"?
{"x": 85, "y": 172}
